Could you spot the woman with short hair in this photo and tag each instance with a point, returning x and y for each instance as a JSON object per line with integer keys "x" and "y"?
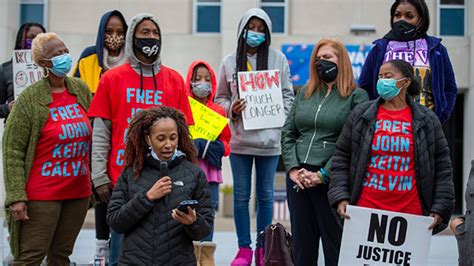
{"x": 46, "y": 146}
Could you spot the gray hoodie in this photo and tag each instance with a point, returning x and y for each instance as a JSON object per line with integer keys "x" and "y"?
{"x": 132, "y": 59}
{"x": 102, "y": 131}
{"x": 265, "y": 142}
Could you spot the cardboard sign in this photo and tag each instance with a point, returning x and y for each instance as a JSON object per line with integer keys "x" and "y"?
{"x": 207, "y": 123}
{"x": 376, "y": 237}
{"x": 262, "y": 92}
{"x": 25, "y": 71}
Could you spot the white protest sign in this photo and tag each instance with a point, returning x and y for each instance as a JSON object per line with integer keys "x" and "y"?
{"x": 262, "y": 92}
{"x": 376, "y": 237}
{"x": 25, "y": 71}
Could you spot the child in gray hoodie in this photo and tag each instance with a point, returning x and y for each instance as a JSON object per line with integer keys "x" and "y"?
{"x": 262, "y": 145}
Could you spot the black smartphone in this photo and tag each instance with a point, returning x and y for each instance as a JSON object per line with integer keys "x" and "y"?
{"x": 183, "y": 205}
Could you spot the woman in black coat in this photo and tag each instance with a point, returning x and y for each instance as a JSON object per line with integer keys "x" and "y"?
{"x": 159, "y": 173}
{"x": 392, "y": 154}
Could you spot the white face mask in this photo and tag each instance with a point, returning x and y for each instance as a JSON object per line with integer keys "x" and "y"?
{"x": 201, "y": 89}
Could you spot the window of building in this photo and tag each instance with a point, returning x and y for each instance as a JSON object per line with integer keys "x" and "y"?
{"x": 207, "y": 16}
{"x": 451, "y": 17}
{"x": 278, "y": 12}
{"x": 33, "y": 11}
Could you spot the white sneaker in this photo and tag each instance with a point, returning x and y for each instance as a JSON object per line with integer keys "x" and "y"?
{"x": 102, "y": 248}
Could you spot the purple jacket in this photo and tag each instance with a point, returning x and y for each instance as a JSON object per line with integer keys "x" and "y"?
{"x": 443, "y": 81}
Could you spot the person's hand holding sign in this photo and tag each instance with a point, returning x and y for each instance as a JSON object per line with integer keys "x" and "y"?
{"x": 341, "y": 209}
{"x": 238, "y": 106}
{"x": 437, "y": 220}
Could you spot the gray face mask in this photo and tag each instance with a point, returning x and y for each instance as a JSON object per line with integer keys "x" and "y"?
{"x": 201, "y": 89}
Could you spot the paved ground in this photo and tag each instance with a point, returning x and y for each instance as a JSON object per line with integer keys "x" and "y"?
{"x": 443, "y": 250}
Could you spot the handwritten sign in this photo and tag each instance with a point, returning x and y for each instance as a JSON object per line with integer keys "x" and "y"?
{"x": 25, "y": 71}
{"x": 208, "y": 124}
{"x": 262, "y": 92}
{"x": 376, "y": 237}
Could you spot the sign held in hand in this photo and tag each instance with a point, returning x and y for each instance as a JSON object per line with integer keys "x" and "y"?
{"x": 25, "y": 71}
{"x": 262, "y": 93}
{"x": 376, "y": 237}
{"x": 208, "y": 124}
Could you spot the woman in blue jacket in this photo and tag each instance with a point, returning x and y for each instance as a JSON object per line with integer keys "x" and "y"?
{"x": 408, "y": 41}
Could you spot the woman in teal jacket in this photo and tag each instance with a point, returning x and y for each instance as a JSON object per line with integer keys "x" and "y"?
{"x": 310, "y": 132}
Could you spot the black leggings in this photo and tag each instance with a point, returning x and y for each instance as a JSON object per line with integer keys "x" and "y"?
{"x": 312, "y": 219}
{"x": 102, "y": 230}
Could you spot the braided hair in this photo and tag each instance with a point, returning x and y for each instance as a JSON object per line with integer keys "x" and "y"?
{"x": 262, "y": 50}
{"x": 23, "y": 31}
{"x": 141, "y": 125}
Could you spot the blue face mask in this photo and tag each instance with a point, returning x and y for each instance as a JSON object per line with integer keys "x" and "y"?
{"x": 254, "y": 39}
{"x": 155, "y": 156}
{"x": 387, "y": 88}
{"x": 61, "y": 64}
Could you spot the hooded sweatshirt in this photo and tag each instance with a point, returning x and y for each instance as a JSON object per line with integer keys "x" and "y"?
{"x": 265, "y": 142}
{"x": 90, "y": 66}
{"x": 124, "y": 91}
{"x": 210, "y": 153}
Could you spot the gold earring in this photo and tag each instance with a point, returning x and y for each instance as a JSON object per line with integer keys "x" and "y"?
{"x": 47, "y": 73}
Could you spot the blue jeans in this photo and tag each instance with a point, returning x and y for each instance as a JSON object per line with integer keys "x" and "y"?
{"x": 214, "y": 188}
{"x": 242, "y": 174}
{"x": 115, "y": 247}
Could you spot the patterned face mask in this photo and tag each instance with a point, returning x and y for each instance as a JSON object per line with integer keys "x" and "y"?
{"x": 114, "y": 41}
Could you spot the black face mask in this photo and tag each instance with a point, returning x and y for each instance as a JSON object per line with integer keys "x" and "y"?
{"x": 404, "y": 31}
{"x": 327, "y": 70}
{"x": 148, "y": 47}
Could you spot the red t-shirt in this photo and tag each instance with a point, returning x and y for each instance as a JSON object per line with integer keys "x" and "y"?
{"x": 119, "y": 97}
{"x": 61, "y": 165}
{"x": 390, "y": 182}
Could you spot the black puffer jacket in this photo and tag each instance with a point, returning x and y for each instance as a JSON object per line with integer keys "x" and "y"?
{"x": 434, "y": 172}
{"x": 152, "y": 237}
{"x": 6, "y": 88}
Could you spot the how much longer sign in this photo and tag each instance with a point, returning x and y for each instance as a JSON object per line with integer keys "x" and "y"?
{"x": 262, "y": 92}
{"x": 376, "y": 237}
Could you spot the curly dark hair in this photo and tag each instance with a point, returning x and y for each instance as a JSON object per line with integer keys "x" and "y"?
{"x": 136, "y": 146}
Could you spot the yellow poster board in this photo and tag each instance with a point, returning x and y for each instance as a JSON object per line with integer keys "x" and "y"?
{"x": 208, "y": 124}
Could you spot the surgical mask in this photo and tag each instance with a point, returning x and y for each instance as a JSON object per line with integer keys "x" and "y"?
{"x": 327, "y": 70}
{"x": 404, "y": 31}
{"x": 149, "y": 47}
{"x": 61, "y": 64}
{"x": 387, "y": 88}
{"x": 155, "y": 156}
{"x": 201, "y": 89}
{"x": 114, "y": 41}
{"x": 27, "y": 44}
{"x": 254, "y": 39}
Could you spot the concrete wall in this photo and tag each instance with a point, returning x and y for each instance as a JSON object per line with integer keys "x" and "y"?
{"x": 9, "y": 17}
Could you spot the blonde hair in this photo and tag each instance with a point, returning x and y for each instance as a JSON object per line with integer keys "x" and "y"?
{"x": 345, "y": 78}
{"x": 37, "y": 47}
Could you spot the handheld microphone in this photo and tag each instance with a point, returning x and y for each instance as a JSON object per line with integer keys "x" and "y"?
{"x": 163, "y": 169}
{"x": 164, "y": 172}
